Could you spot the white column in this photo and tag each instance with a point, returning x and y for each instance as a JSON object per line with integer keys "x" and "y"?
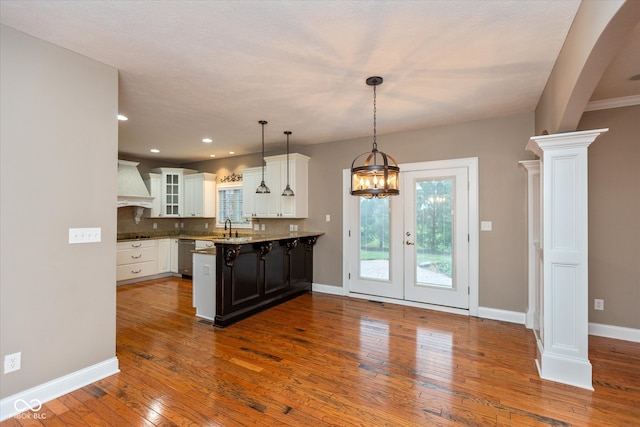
{"x": 563, "y": 345}
{"x": 532, "y": 320}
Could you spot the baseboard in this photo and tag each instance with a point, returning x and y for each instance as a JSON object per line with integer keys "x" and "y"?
{"x": 35, "y": 396}
{"x": 617, "y": 332}
{"x": 503, "y": 315}
{"x": 328, "y": 289}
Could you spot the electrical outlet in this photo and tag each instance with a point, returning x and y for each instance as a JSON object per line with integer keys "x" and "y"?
{"x": 12, "y": 362}
{"x": 262, "y": 227}
{"x": 598, "y": 304}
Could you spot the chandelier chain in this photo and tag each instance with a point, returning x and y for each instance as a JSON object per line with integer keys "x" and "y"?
{"x": 375, "y": 143}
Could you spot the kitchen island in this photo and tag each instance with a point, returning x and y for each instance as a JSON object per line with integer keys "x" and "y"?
{"x": 253, "y": 273}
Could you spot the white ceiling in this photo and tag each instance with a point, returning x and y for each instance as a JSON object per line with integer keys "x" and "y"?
{"x": 196, "y": 69}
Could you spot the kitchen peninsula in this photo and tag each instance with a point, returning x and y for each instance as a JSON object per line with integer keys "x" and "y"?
{"x": 251, "y": 274}
{"x": 233, "y": 277}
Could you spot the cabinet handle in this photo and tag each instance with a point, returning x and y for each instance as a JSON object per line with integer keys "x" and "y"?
{"x": 136, "y": 271}
{"x": 136, "y": 257}
{"x": 136, "y": 246}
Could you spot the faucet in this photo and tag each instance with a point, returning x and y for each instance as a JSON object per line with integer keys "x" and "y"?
{"x": 225, "y": 226}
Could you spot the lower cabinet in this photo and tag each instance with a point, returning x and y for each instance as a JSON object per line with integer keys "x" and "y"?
{"x": 136, "y": 258}
{"x": 253, "y": 277}
{"x": 204, "y": 285}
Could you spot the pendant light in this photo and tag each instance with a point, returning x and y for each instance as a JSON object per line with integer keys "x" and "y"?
{"x": 263, "y": 189}
{"x": 288, "y": 191}
{"x": 372, "y": 179}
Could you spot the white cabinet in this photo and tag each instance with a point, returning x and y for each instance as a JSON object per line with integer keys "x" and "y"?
{"x": 296, "y": 206}
{"x": 204, "y": 285}
{"x": 181, "y": 193}
{"x": 253, "y": 205}
{"x": 166, "y": 185}
{"x": 153, "y": 181}
{"x": 173, "y": 262}
{"x": 136, "y": 258}
{"x": 164, "y": 255}
{"x": 274, "y": 204}
{"x": 200, "y": 195}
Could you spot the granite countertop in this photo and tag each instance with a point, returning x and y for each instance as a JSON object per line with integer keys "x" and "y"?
{"x": 221, "y": 239}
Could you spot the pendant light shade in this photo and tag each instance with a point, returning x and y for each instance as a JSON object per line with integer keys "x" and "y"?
{"x": 262, "y": 188}
{"x": 288, "y": 191}
{"x": 377, "y": 174}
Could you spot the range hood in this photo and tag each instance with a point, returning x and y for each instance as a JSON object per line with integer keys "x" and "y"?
{"x": 131, "y": 188}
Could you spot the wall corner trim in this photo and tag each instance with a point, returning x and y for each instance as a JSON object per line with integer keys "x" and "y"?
{"x": 616, "y": 332}
{"x": 50, "y": 390}
{"x": 502, "y": 315}
{"x": 328, "y": 289}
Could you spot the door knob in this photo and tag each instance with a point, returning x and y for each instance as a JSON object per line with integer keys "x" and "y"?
{"x": 409, "y": 243}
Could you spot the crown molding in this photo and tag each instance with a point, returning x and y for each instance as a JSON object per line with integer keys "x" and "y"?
{"x": 604, "y": 104}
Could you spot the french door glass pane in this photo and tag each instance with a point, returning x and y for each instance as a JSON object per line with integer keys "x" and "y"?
{"x": 374, "y": 238}
{"x": 434, "y": 232}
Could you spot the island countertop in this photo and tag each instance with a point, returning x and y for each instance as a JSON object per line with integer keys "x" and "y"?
{"x": 220, "y": 238}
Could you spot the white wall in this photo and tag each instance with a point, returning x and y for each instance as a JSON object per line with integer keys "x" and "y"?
{"x": 58, "y": 152}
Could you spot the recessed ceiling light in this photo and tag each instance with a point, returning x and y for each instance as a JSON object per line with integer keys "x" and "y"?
{"x": 212, "y": 155}
{"x": 122, "y": 117}
{"x": 232, "y": 152}
{"x": 207, "y": 140}
{"x": 154, "y": 150}
{"x": 635, "y": 77}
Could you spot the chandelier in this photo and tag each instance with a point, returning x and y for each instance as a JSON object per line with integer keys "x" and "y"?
{"x": 375, "y": 177}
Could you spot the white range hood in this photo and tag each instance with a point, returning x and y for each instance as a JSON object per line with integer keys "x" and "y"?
{"x": 131, "y": 188}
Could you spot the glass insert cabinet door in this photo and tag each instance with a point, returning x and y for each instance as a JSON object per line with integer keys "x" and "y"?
{"x": 172, "y": 194}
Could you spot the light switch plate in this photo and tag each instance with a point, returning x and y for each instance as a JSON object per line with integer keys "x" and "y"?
{"x": 486, "y": 226}
{"x": 85, "y": 235}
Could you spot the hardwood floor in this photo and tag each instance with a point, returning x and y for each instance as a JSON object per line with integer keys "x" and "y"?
{"x": 322, "y": 360}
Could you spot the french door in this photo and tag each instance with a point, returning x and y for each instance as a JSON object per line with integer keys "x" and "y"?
{"x": 416, "y": 246}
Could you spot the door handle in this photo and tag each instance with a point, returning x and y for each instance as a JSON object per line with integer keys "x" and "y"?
{"x": 408, "y": 243}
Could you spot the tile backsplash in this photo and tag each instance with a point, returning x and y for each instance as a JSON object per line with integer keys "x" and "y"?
{"x": 202, "y": 226}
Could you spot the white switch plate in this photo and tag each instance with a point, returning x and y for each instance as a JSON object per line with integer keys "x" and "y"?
{"x": 486, "y": 226}
{"x": 85, "y": 235}
{"x": 327, "y": 218}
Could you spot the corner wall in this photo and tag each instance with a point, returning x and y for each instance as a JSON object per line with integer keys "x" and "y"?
{"x": 58, "y": 166}
{"x": 614, "y": 210}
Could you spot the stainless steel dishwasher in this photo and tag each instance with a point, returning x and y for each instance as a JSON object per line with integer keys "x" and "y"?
{"x": 185, "y": 256}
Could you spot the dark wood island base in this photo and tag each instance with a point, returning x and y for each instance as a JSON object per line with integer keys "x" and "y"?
{"x": 253, "y": 276}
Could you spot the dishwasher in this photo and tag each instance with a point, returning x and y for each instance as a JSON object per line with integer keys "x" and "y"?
{"x": 185, "y": 256}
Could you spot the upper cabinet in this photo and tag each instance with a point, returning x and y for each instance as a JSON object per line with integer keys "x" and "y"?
{"x": 181, "y": 193}
{"x": 200, "y": 195}
{"x": 274, "y": 204}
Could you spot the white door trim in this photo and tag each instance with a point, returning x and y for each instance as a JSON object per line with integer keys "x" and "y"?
{"x": 471, "y": 163}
